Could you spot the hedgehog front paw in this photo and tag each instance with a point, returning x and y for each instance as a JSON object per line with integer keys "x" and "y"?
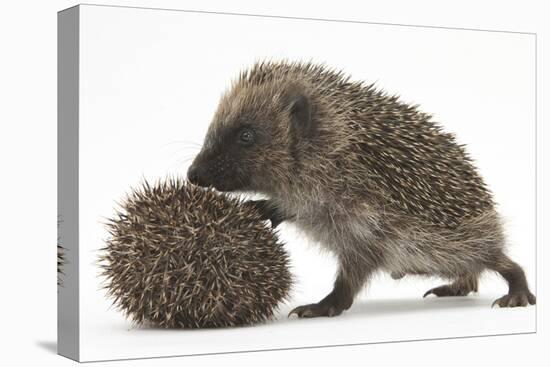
{"x": 517, "y": 299}
{"x": 316, "y": 310}
{"x": 267, "y": 211}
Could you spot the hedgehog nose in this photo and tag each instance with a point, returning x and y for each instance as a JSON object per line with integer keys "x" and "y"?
{"x": 194, "y": 175}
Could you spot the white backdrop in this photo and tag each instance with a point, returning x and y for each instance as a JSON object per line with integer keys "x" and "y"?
{"x": 28, "y": 151}
{"x": 150, "y": 81}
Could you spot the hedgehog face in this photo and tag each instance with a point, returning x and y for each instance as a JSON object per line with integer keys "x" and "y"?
{"x": 224, "y": 161}
{"x": 249, "y": 145}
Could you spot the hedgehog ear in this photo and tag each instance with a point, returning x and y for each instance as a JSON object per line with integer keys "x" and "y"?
{"x": 300, "y": 113}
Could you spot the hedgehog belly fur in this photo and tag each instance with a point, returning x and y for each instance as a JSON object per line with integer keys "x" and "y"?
{"x": 444, "y": 252}
{"x": 400, "y": 244}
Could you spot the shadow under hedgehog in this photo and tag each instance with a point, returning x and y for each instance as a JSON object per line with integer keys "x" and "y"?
{"x": 370, "y": 178}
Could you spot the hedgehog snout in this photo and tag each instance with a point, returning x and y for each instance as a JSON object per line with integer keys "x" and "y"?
{"x": 207, "y": 172}
{"x": 197, "y": 175}
{"x": 216, "y": 170}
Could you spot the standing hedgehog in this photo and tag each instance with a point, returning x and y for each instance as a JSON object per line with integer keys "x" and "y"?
{"x": 367, "y": 176}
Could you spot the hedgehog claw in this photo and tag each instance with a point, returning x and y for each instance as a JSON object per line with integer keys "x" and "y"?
{"x": 397, "y": 275}
{"x": 316, "y": 310}
{"x": 519, "y": 299}
{"x": 267, "y": 211}
{"x": 449, "y": 291}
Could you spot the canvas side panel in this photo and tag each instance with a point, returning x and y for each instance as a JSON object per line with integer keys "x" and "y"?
{"x": 67, "y": 180}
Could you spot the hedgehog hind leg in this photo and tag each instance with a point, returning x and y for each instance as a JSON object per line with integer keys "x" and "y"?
{"x": 518, "y": 290}
{"x": 462, "y": 286}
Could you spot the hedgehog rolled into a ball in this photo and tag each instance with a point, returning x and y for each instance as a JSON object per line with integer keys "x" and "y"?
{"x": 180, "y": 256}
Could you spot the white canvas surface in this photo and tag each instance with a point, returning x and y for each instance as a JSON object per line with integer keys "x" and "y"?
{"x": 149, "y": 84}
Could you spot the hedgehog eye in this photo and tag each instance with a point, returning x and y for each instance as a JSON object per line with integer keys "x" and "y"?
{"x": 246, "y": 136}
